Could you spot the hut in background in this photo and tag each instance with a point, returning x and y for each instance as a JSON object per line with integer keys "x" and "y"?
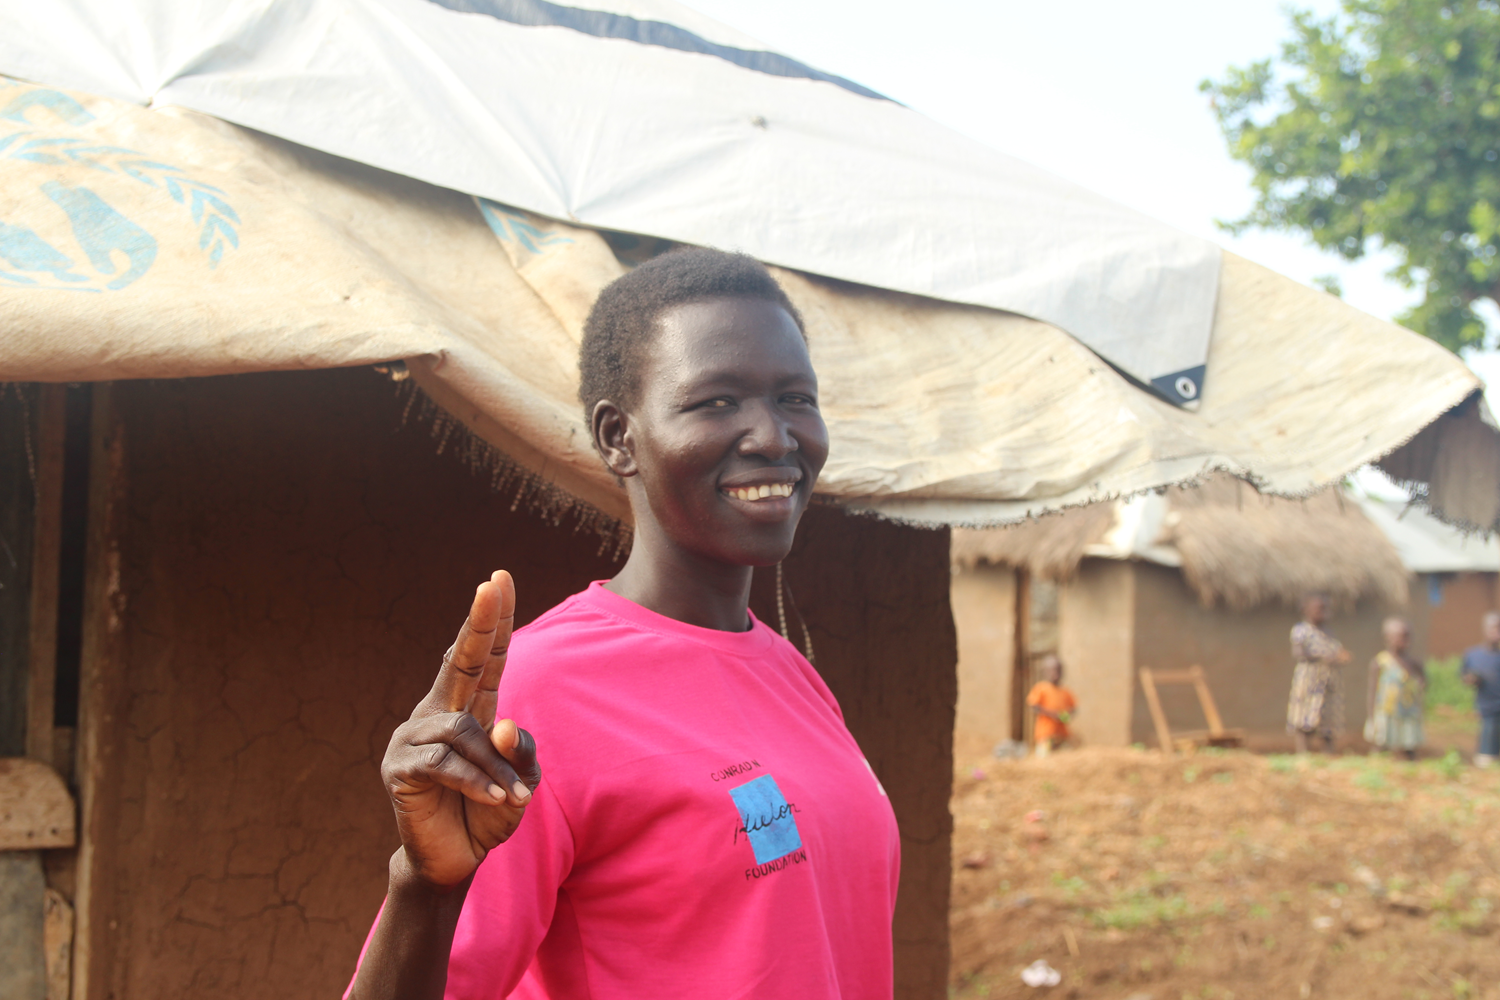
{"x": 1207, "y": 575}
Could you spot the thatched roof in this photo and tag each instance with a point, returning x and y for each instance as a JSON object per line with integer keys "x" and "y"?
{"x": 1236, "y": 547}
{"x": 1050, "y": 546}
{"x": 1243, "y": 549}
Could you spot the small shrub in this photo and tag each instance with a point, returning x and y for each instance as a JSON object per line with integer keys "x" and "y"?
{"x": 1445, "y": 687}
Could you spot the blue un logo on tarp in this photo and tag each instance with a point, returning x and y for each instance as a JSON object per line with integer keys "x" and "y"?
{"x": 766, "y": 818}
{"x": 47, "y": 129}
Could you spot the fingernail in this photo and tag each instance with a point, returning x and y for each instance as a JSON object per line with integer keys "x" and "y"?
{"x": 521, "y": 792}
{"x": 495, "y": 792}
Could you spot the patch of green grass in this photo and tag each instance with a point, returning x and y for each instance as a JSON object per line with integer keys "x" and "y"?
{"x": 1450, "y": 765}
{"x": 1142, "y": 908}
{"x": 1070, "y": 885}
{"x": 1283, "y": 763}
{"x": 1455, "y": 914}
{"x": 1360, "y": 762}
{"x": 1446, "y": 687}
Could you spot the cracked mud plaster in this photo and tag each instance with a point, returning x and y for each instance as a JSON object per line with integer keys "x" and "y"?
{"x": 294, "y": 562}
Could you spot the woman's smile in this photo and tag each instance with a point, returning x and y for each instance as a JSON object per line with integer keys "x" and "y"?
{"x": 753, "y": 494}
{"x": 764, "y": 485}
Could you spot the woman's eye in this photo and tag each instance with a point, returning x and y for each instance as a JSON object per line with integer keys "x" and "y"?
{"x": 797, "y": 399}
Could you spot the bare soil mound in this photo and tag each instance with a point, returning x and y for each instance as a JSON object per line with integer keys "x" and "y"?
{"x": 1226, "y": 874}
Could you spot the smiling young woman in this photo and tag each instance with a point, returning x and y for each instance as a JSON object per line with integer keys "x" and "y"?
{"x": 708, "y": 827}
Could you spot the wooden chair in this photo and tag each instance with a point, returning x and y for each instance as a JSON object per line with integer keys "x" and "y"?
{"x": 1214, "y": 736}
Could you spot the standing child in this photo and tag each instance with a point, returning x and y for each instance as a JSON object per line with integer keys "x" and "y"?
{"x": 1481, "y": 671}
{"x": 1054, "y": 706}
{"x": 1397, "y": 684}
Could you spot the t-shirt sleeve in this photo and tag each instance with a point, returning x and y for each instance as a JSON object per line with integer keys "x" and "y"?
{"x": 510, "y": 904}
{"x": 814, "y": 678}
{"x": 1069, "y": 702}
{"x": 1035, "y": 697}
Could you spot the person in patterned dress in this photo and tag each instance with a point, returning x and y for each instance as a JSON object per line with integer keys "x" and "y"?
{"x": 1316, "y": 705}
{"x": 1397, "y": 685}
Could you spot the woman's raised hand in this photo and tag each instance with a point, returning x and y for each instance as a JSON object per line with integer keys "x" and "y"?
{"x": 458, "y": 780}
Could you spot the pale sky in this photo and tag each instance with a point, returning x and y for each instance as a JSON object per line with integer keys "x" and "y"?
{"x": 1102, "y": 92}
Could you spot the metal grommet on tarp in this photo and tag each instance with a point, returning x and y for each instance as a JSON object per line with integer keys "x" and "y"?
{"x": 1181, "y": 387}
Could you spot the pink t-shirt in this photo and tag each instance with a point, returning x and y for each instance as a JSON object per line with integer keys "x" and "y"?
{"x": 706, "y": 825}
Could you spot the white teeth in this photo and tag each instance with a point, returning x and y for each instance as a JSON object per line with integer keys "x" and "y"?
{"x": 752, "y": 493}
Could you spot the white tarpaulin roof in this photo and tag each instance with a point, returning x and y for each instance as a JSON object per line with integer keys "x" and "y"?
{"x": 140, "y": 243}
{"x": 645, "y": 117}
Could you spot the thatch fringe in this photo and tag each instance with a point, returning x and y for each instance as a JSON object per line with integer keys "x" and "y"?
{"x": 1242, "y": 549}
{"x": 1050, "y": 546}
{"x": 1239, "y": 548}
{"x": 506, "y": 476}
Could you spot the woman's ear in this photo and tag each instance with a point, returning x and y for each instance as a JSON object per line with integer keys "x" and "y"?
{"x": 612, "y": 438}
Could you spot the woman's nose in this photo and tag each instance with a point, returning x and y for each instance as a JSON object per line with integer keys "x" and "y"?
{"x": 768, "y": 435}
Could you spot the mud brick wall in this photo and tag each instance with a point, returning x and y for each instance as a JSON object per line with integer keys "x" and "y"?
{"x": 287, "y": 564}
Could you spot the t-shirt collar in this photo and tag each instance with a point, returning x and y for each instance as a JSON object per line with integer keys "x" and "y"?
{"x": 750, "y": 643}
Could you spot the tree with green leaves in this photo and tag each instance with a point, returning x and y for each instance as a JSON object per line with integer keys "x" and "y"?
{"x": 1381, "y": 127}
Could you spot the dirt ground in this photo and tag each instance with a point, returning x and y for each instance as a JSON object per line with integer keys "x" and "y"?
{"x": 1228, "y": 874}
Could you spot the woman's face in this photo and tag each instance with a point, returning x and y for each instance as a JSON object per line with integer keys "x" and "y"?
{"x": 724, "y": 442}
{"x": 1397, "y": 638}
{"x": 1315, "y": 610}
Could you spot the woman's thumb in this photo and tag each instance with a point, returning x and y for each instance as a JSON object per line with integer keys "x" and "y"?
{"x": 519, "y": 747}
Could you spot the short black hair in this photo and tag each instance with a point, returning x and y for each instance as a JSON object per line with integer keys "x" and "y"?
{"x": 623, "y": 320}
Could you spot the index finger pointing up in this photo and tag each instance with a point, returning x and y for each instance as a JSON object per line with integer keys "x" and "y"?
{"x": 463, "y": 664}
{"x": 482, "y": 703}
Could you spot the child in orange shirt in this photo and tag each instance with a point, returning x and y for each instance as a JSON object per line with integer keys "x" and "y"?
{"x": 1054, "y": 706}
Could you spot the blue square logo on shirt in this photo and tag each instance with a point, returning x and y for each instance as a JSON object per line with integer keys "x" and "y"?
{"x": 766, "y": 817}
